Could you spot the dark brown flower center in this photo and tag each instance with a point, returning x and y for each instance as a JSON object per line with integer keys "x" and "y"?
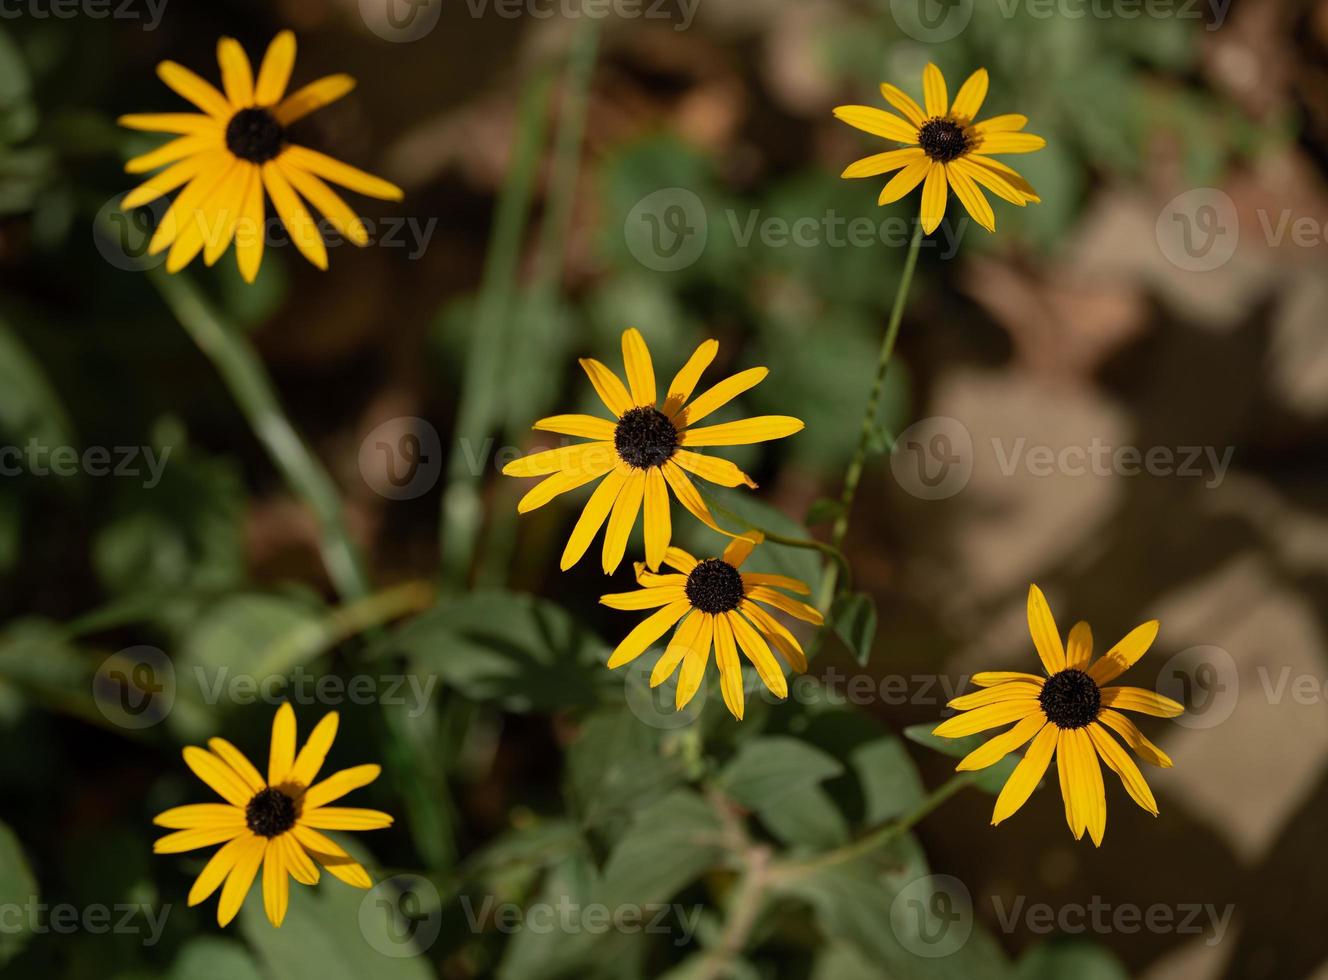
{"x": 270, "y": 813}
{"x": 255, "y": 135}
{"x": 645, "y": 438}
{"x": 1071, "y": 699}
{"x": 943, "y": 139}
{"x": 714, "y": 586}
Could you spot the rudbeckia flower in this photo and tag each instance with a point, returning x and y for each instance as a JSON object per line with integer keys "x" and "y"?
{"x": 946, "y": 148}
{"x": 237, "y": 148}
{"x": 272, "y": 823}
{"x": 646, "y": 450}
{"x": 1070, "y": 713}
{"x": 717, "y": 604}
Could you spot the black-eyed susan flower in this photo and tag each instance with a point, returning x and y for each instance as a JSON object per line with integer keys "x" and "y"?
{"x": 717, "y": 605}
{"x": 1067, "y": 714}
{"x": 273, "y": 823}
{"x": 645, "y": 451}
{"x": 946, "y": 148}
{"x": 226, "y": 157}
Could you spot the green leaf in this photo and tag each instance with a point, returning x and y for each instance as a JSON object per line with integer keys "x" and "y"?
{"x": 990, "y": 780}
{"x": 803, "y": 564}
{"x": 1059, "y": 958}
{"x": 30, "y": 409}
{"x": 853, "y": 618}
{"x": 891, "y": 786}
{"x": 211, "y": 958}
{"x": 669, "y": 845}
{"x": 18, "y": 889}
{"x": 18, "y": 116}
{"x": 807, "y": 817}
{"x": 766, "y": 770}
{"x": 615, "y": 767}
{"x": 525, "y": 653}
{"x": 822, "y": 511}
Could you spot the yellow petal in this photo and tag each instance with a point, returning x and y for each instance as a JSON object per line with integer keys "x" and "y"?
{"x": 971, "y": 95}
{"x": 297, "y": 860}
{"x": 314, "y": 753}
{"x": 1019, "y": 787}
{"x": 312, "y": 97}
{"x": 679, "y": 560}
{"x": 338, "y": 213}
{"x": 216, "y": 870}
{"x": 933, "y": 198}
{"x": 585, "y": 426}
{"x": 166, "y": 181}
{"x": 715, "y": 470}
{"x": 333, "y": 857}
{"x": 237, "y": 75}
{"x": 740, "y": 548}
{"x": 799, "y": 610}
{"x": 344, "y": 174}
{"x": 658, "y": 526}
{"x": 973, "y": 200}
{"x": 196, "y": 837}
{"x": 592, "y": 517}
{"x": 176, "y": 149}
{"x": 1137, "y": 699}
{"x": 281, "y": 755}
{"x": 647, "y": 632}
{"x": 1079, "y": 648}
{"x": 1008, "y": 123}
{"x": 685, "y": 381}
{"x": 720, "y": 395}
{"x": 991, "y": 180}
{"x": 776, "y": 581}
{"x": 1005, "y": 173}
{"x": 295, "y": 216}
{"x": 560, "y": 483}
{"x": 883, "y": 163}
{"x": 990, "y": 678}
{"x": 1126, "y": 653}
{"x": 1071, "y": 789}
{"x": 988, "y": 716}
{"x": 1089, "y": 773}
{"x": 1009, "y": 143}
{"x": 651, "y": 598}
{"x": 610, "y": 390}
{"x": 202, "y": 94}
{"x": 694, "y": 665}
{"x": 250, "y": 232}
{"x": 904, "y": 181}
{"x": 730, "y": 669}
{"x": 998, "y": 747}
{"x": 199, "y": 815}
{"x": 621, "y": 521}
{"x": 758, "y": 652}
{"x": 276, "y": 885}
{"x": 219, "y": 776}
{"x": 339, "y": 784}
{"x": 206, "y": 222}
{"x": 902, "y": 101}
{"x": 640, "y": 372}
{"x": 230, "y": 199}
{"x": 1123, "y": 766}
{"x": 878, "y": 122}
{"x": 584, "y": 457}
{"x": 241, "y": 876}
{"x": 274, "y": 74}
{"x": 741, "y": 433}
{"x": 1016, "y": 691}
{"x": 1042, "y": 627}
{"x": 933, "y": 91}
{"x": 684, "y": 639}
{"x": 774, "y": 631}
{"x": 688, "y": 496}
{"x": 1134, "y": 738}
{"x": 345, "y": 818}
{"x": 237, "y": 760}
{"x": 172, "y": 122}
{"x": 187, "y": 210}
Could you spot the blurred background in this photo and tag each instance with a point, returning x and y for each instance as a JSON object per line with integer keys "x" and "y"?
{"x": 1121, "y": 395}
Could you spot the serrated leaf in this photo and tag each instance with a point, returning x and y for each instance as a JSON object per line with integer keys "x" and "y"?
{"x": 767, "y": 769}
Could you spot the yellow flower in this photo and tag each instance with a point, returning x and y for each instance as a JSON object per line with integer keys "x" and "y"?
{"x": 720, "y": 605}
{"x": 1067, "y": 714}
{"x": 239, "y": 146}
{"x": 272, "y": 823}
{"x": 946, "y": 148}
{"x": 644, "y": 451}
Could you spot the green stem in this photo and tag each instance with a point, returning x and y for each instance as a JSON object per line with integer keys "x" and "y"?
{"x": 460, "y": 520}
{"x": 248, "y": 382}
{"x": 874, "y": 840}
{"x": 809, "y": 543}
{"x": 853, "y": 475}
